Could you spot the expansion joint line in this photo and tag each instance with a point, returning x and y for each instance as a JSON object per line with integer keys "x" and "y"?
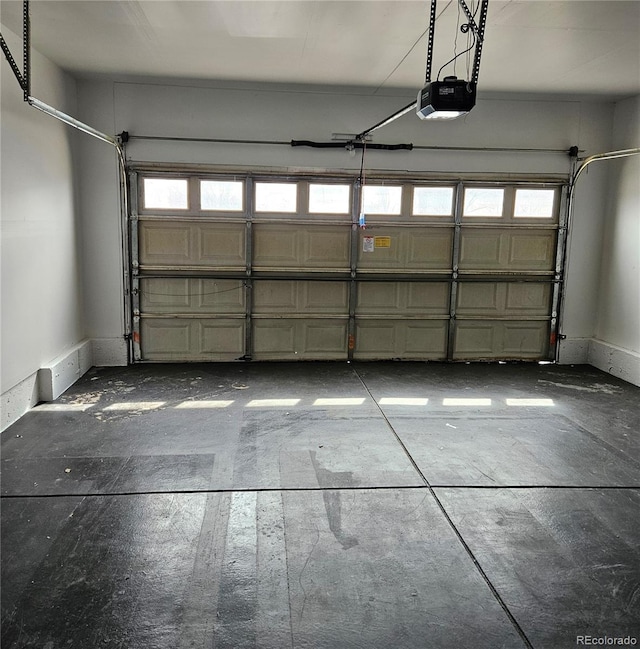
{"x": 258, "y": 490}
{"x": 444, "y": 512}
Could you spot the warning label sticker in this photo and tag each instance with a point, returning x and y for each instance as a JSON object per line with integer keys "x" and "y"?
{"x": 382, "y": 242}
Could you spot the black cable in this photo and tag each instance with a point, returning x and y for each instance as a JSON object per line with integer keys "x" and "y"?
{"x": 226, "y": 290}
{"x": 357, "y": 143}
{"x": 361, "y": 176}
{"x": 456, "y": 56}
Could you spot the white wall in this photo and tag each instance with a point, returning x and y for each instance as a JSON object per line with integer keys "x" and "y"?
{"x": 281, "y": 114}
{"x": 102, "y": 228}
{"x": 41, "y": 296}
{"x": 616, "y": 344}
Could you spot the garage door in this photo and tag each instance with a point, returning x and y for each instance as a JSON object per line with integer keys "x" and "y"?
{"x": 271, "y": 267}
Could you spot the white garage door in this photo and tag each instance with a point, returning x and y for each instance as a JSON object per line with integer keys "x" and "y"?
{"x": 279, "y": 268}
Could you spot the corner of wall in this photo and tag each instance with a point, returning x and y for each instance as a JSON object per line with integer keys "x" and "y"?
{"x": 573, "y": 351}
{"x": 110, "y": 352}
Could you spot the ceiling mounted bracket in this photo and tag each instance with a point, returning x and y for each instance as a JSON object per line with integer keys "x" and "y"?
{"x": 477, "y": 29}
{"x": 467, "y": 102}
{"x": 24, "y": 77}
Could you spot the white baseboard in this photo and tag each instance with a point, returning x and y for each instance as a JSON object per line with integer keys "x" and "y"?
{"x": 617, "y": 361}
{"x": 18, "y": 400}
{"x": 573, "y": 351}
{"x": 110, "y": 352}
{"x": 63, "y": 371}
{"x": 51, "y": 380}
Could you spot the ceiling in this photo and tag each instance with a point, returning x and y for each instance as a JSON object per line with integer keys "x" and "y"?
{"x": 575, "y": 47}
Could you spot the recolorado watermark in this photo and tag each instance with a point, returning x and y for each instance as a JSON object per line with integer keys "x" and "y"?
{"x": 606, "y": 641}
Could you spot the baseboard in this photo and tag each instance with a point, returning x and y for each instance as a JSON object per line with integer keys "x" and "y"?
{"x": 63, "y": 371}
{"x": 573, "y": 351}
{"x": 110, "y": 352}
{"x": 617, "y": 361}
{"x": 18, "y": 400}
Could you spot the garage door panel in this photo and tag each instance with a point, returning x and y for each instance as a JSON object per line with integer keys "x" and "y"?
{"x": 191, "y": 339}
{"x": 428, "y": 297}
{"x": 532, "y": 298}
{"x": 408, "y": 339}
{"x": 302, "y": 246}
{"x": 164, "y": 295}
{"x": 492, "y": 249}
{"x": 323, "y": 297}
{"x": 429, "y": 248}
{"x": 525, "y": 339}
{"x": 375, "y": 339}
{"x": 220, "y": 337}
{"x": 425, "y": 248}
{"x": 221, "y": 245}
{"x": 299, "y": 339}
{"x": 220, "y": 296}
{"x": 426, "y": 339}
{"x": 160, "y": 295}
{"x": 274, "y": 296}
{"x": 322, "y": 338}
{"x": 475, "y": 340}
{"x": 162, "y": 338}
{"x": 532, "y": 251}
{"x": 409, "y": 298}
{"x": 480, "y": 298}
{"x": 192, "y": 244}
{"x": 503, "y": 299}
{"x": 482, "y": 249}
{"x": 329, "y": 246}
{"x": 165, "y": 244}
{"x": 378, "y": 297}
{"x": 276, "y": 247}
{"x": 274, "y": 337}
{"x": 294, "y": 297}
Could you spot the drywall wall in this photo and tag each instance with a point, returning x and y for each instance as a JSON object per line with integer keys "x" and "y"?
{"x": 274, "y": 113}
{"x": 100, "y": 202}
{"x": 41, "y": 296}
{"x": 616, "y": 344}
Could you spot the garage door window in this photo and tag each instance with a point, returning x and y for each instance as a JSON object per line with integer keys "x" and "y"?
{"x": 276, "y": 197}
{"x": 329, "y": 199}
{"x": 223, "y": 195}
{"x": 534, "y": 203}
{"x": 483, "y": 201}
{"x": 166, "y": 193}
{"x": 381, "y": 199}
{"x": 433, "y": 201}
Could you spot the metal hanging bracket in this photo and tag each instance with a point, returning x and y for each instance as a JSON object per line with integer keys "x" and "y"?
{"x": 24, "y": 77}
{"x": 478, "y": 30}
{"x": 24, "y": 80}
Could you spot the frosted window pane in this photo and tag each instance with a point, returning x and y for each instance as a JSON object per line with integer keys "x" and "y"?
{"x": 537, "y": 203}
{"x": 221, "y": 195}
{"x": 276, "y": 197}
{"x": 328, "y": 199}
{"x": 381, "y": 199}
{"x": 166, "y": 193}
{"x": 480, "y": 201}
{"x": 435, "y": 201}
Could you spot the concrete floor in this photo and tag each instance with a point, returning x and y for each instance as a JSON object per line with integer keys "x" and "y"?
{"x": 325, "y": 505}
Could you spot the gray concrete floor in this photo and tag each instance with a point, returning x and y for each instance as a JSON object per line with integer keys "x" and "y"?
{"x": 325, "y": 505}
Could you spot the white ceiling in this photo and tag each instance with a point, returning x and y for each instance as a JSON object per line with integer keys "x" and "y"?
{"x": 577, "y": 47}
